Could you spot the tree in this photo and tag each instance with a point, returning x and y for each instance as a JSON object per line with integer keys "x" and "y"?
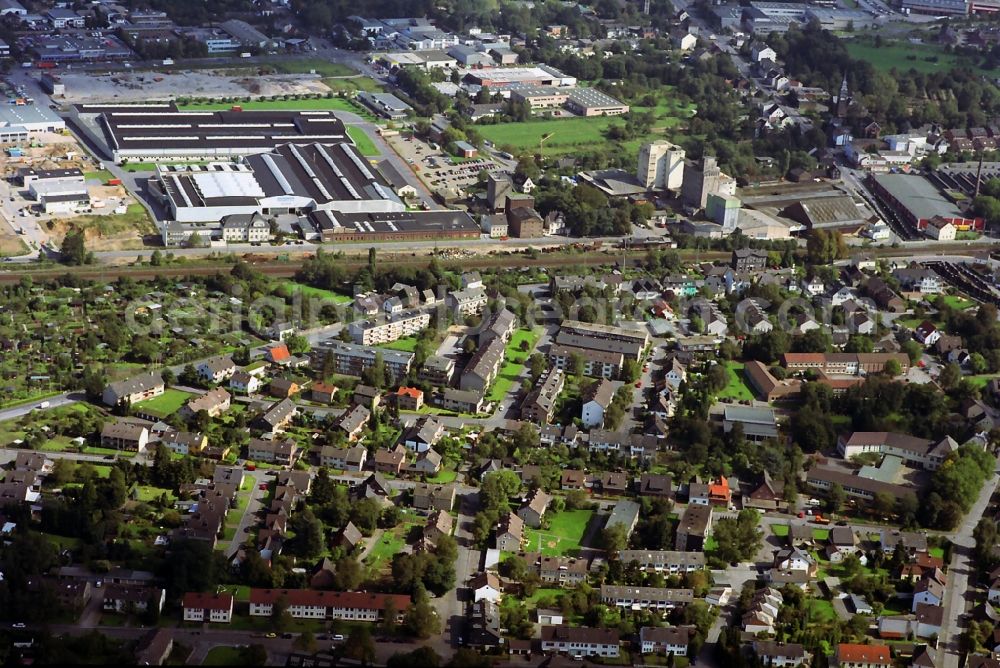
{"x": 950, "y": 375}
{"x": 348, "y": 574}
{"x": 375, "y": 375}
{"x": 421, "y": 619}
{"x": 360, "y": 646}
{"x": 74, "y": 250}
{"x": 835, "y": 498}
{"x": 253, "y": 655}
{"x": 738, "y": 539}
{"x": 986, "y": 536}
{"x": 281, "y": 619}
{"x": 422, "y": 656}
{"x": 306, "y": 642}
{"x": 614, "y": 538}
{"x": 498, "y": 487}
{"x": 892, "y": 368}
{"x": 308, "y": 541}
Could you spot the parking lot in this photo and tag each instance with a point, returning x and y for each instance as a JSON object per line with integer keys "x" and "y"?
{"x": 436, "y": 168}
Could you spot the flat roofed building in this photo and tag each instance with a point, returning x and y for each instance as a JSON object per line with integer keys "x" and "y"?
{"x": 758, "y": 423}
{"x": 353, "y": 359}
{"x": 592, "y": 102}
{"x": 385, "y": 104}
{"x": 509, "y": 78}
{"x": 918, "y": 201}
{"x": 32, "y": 118}
{"x": 345, "y": 227}
{"x": 294, "y": 178}
{"x": 161, "y": 131}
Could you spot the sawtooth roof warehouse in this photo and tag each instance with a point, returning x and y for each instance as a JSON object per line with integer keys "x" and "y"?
{"x": 156, "y": 132}
{"x": 294, "y": 178}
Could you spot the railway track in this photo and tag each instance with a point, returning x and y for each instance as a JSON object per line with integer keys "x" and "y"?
{"x": 289, "y": 267}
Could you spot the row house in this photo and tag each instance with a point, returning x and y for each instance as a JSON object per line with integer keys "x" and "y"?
{"x": 312, "y": 604}
{"x": 201, "y": 607}
{"x": 645, "y": 598}
{"x": 664, "y": 561}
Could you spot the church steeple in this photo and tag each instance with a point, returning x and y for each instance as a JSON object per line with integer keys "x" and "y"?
{"x": 843, "y": 98}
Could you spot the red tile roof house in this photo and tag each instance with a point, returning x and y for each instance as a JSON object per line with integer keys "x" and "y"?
{"x": 312, "y": 604}
{"x": 862, "y": 656}
{"x": 409, "y": 398}
{"x": 278, "y": 354}
{"x": 200, "y": 607}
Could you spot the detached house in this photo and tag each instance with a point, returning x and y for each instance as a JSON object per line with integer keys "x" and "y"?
{"x": 534, "y": 508}
{"x": 216, "y": 369}
{"x": 124, "y": 436}
{"x": 133, "y": 390}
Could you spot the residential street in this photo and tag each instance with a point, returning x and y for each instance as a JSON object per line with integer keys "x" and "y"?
{"x": 955, "y": 598}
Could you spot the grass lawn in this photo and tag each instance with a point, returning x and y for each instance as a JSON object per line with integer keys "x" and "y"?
{"x": 710, "y": 544}
{"x": 101, "y": 175}
{"x": 508, "y": 375}
{"x": 957, "y": 302}
{"x": 821, "y": 611}
{"x": 361, "y": 139}
{"x": 563, "y": 535}
{"x": 736, "y": 389}
{"x": 570, "y": 135}
{"x": 821, "y": 535}
{"x": 93, "y": 450}
{"x": 443, "y": 477}
{"x": 239, "y": 592}
{"x": 905, "y": 56}
{"x": 223, "y": 656}
{"x": 937, "y": 552}
{"x": 521, "y": 336}
{"x": 103, "y": 470}
{"x": 983, "y": 380}
{"x": 148, "y": 493}
{"x": 407, "y": 344}
{"x": 305, "y": 65}
{"x": 62, "y": 542}
{"x": 310, "y": 104}
{"x": 166, "y": 404}
{"x": 779, "y": 530}
{"x": 541, "y": 593}
{"x": 353, "y": 84}
{"x": 60, "y": 444}
{"x": 11, "y": 245}
{"x": 319, "y": 293}
{"x": 389, "y": 545}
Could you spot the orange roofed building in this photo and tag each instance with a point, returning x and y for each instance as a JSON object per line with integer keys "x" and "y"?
{"x": 278, "y": 354}
{"x": 862, "y": 656}
{"x": 409, "y": 398}
{"x": 719, "y": 493}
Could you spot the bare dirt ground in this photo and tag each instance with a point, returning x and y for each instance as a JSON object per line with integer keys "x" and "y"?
{"x": 145, "y": 86}
{"x": 115, "y": 220}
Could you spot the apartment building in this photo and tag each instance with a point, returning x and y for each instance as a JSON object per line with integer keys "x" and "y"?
{"x": 353, "y": 359}
{"x": 386, "y": 330}
{"x": 540, "y": 404}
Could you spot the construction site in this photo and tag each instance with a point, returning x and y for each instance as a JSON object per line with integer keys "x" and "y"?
{"x": 109, "y": 216}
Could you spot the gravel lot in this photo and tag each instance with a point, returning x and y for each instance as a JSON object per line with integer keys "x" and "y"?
{"x": 141, "y": 86}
